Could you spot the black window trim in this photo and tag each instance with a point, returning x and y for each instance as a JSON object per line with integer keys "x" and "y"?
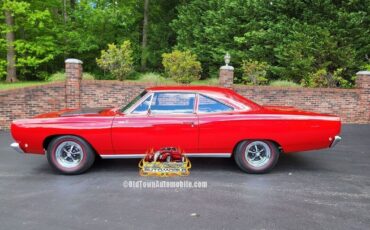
{"x": 195, "y": 107}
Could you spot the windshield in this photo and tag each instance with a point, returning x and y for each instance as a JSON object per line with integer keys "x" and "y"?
{"x": 126, "y": 107}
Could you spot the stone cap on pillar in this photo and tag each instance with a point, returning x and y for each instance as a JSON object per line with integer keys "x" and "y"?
{"x": 364, "y": 72}
{"x": 227, "y": 67}
{"x": 73, "y": 61}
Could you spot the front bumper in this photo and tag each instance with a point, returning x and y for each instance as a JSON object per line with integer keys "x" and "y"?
{"x": 16, "y": 147}
{"x": 335, "y": 141}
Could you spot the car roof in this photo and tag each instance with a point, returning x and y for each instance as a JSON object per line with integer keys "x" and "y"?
{"x": 210, "y": 89}
{"x": 192, "y": 88}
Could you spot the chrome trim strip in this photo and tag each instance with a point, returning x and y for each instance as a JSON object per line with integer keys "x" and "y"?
{"x": 337, "y": 139}
{"x": 123, "y": 156}
{"x": 138, "y": 156}
{"x": 220, "y": 155}
{"x": 16, "y": 147}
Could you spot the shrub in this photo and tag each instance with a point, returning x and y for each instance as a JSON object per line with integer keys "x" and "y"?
{"x": 366, "y": 67}
{"x": 208, "y": 81}
{"x": 323, "y": 78}
{"x": 117, "y": 60}
{"x": 151, "y": 77}
{"x": 88, "y": 76}
{"x": 181, "y": 66}
{"x": 58, "y": 76}
{"x": 2, "y": 69}
{"x": 284, "y": 83}
{"x": 154, "y": 78}
{"x": 254, "y": 72}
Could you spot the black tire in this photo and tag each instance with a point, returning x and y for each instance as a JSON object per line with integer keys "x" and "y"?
{"x": 246, "y": 166}
{"x": 85, "y": 154}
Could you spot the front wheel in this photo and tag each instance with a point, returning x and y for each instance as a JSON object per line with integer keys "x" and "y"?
{"x": 256, "y": 156}
{"x": 70, "y": 155}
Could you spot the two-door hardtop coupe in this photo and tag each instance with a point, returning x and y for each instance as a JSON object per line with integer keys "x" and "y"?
{"x": 203, "y": 121}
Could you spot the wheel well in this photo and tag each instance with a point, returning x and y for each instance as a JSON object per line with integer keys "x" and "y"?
{"x": 47, "y": 141}
{"x": 276, "y": 143}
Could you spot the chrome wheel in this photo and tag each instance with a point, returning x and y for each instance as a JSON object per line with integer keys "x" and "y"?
{"x": 257, "y": 153}
{"x": 69, "y": 154}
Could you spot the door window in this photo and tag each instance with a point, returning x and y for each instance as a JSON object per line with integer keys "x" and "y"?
{"x": 172, "y": 103}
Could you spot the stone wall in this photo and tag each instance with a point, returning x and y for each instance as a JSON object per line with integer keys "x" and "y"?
{"x": 30, "y": 101}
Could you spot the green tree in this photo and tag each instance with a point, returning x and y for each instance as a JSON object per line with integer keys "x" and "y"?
{"x": 117, "y": 60}
{"x": 182, "y": 66}
{"x": 30, "y": 40}
{"x": 296, "y": 38}
{"x": 254, "y": 72}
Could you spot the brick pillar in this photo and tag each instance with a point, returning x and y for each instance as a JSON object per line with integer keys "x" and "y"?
{"x": 363, "y": 83}
{"x": 73, "y": 82}
{"x": 226, "y": 76}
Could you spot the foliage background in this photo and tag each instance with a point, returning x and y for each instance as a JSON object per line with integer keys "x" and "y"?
{"x": 297, "y": 39}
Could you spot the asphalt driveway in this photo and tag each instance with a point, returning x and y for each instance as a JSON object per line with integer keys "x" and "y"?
{"x": 326, "y": 189}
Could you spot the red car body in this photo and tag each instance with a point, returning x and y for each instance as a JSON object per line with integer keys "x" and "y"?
{"x": 116, "y": 134}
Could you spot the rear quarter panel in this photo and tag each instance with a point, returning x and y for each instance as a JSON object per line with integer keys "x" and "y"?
{"x": 221, "y": 133}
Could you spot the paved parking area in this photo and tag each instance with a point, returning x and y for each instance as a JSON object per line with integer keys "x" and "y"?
{"x": 326, "y": 189}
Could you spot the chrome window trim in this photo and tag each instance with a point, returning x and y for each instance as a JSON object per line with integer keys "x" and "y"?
{"x": 150, "y": 103}
{"x": 196, "y": 103}
{"x": 134, "y": 106}
{"x": 165, "y": 114}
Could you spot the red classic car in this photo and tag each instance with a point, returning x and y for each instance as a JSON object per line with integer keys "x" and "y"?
{"x": 166, "y": 154}
{"x": 203, "y": 121}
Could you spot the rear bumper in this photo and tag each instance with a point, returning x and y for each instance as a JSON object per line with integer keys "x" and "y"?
{"x": 16, "y": 147}
{"x": 335, "y": 141}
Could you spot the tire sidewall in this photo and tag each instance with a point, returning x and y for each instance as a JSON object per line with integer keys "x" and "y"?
{"x": 85, "y": 163}
{"x": 245, "y": 166}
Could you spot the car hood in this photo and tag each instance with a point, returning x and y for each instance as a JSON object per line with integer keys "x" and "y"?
{"x": 80, "y": 112}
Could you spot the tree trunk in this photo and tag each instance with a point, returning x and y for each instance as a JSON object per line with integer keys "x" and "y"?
{"x": 73, "y": 4}
{"x": 65, "y": 11}
{"x": 10, "y": 51}
{"x": 145, "y": 36}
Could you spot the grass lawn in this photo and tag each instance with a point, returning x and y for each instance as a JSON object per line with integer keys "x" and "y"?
{"x": 146, "y": 77}
{"x": 209, "y": 81}
{"x": 159, "y": 79}
{"x": 53, "y": 78}
{"x": 20, "y": 84}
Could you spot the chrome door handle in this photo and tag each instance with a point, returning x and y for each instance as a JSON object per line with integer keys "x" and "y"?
{"x": 189, "y": 123}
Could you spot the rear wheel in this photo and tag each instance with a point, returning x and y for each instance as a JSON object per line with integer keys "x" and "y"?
{"x": 70, "y": 155}
{"x": 256, "y": 156}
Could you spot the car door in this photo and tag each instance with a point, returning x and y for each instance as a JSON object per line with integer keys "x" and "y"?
{"x": 217, "y": 126}
{"x": 163, "y": 119}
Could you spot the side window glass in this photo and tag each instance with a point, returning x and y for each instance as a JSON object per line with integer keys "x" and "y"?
{"x": 171, "y": 103}
{"x": 143, "y": 107}
{"x": 209, "y": 105}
